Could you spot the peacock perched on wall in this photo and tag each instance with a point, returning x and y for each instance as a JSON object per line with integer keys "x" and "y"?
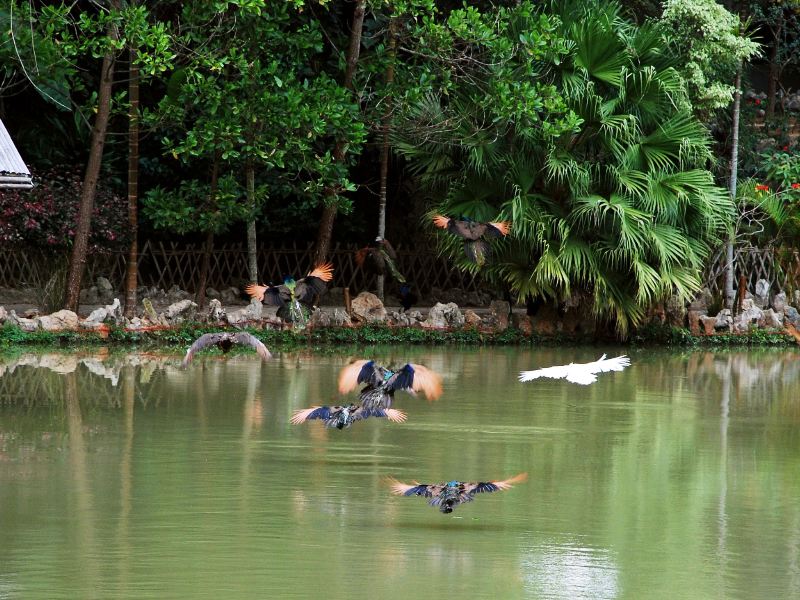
{"x": 295, "y": 299}
{"x": 381, "y": 383}
{"x": 379, "y": 258}
{"x": 474, "y": 234}
{"x": 344, "y": 416}
{"x": 452, "y": 493}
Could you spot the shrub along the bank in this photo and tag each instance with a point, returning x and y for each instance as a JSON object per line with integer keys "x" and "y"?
{"x": 331, "y": 337}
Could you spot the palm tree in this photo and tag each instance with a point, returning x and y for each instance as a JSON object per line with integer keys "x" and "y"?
{"x": 621, "y": 209}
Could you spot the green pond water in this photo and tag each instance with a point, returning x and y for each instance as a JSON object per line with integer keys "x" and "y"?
{"x": 122, "y": 476}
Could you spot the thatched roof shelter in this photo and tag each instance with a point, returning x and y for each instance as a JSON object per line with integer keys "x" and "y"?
{"x": 13, "y": 172}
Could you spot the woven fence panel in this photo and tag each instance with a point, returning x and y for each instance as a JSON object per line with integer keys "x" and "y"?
{"x": 165, "y": 265}
{"x": 780, "y": 267}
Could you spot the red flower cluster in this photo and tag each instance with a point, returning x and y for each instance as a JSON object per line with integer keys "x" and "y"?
{"x": 762, "y": 188}
{"x": 47, "y": 215}
{"x": 796, "y": 186}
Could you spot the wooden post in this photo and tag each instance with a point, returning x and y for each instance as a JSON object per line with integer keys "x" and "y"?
{"x": 347, "y": 304}
{"x": 742, "y": 292}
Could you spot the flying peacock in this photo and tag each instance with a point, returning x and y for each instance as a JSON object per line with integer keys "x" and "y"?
{"x": 344, "y": 416}
{"x": 225, "y": 341}
{"x": 474, "y": 234}
{"x": 449, "y": 495}
{"x": 382, "y": 383}
{"x": 295, "y": 299}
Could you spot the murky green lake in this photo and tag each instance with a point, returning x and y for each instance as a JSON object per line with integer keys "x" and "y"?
{"x": 125, "y": 477}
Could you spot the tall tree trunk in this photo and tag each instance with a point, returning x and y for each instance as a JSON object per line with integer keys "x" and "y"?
{"x": 774, "y": 68}
{"x": 252, "y": 249}
{"x": 325, "y": 231}
{"x": 200, "y": 294}
{"x": 132, "y": 271}
{"x": 730, "y": 267}
{"x": 81, "y": 243}
{"x": 387, "y": 115}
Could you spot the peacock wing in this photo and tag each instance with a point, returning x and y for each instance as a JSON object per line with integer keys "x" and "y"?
{"x": 416, "y": 378}
{"x": 315, "y": 412}
{"x": 359, "y": 371}
{"x": 413, "y": 489}
{"x": 395, "y": 416}
{"x": 493, "y": 486}
{"x": 205, "y": 340}
{"x": 248, "y": 339}
{"x": 314, "y": 284}
{"x": 497, "y": 229}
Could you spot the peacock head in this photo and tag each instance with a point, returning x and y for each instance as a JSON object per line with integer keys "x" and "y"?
{"x": 405, "y": 289}
{"x": 289, "y": 281}
{"x": 452, "y": 484}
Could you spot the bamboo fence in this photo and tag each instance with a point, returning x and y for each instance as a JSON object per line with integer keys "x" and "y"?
{"x": 779, "y": 266}
{"x": 165, "y": 265}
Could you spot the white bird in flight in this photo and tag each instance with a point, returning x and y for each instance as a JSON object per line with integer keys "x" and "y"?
{"x": 583, "y": 373}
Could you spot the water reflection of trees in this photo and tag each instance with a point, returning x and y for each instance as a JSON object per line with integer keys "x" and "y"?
{"x": 631, "y": 463}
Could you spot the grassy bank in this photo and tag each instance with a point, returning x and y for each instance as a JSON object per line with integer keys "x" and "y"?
{"x": 181, "y": 337}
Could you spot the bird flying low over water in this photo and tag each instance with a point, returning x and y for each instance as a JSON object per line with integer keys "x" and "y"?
{"x": 583, "y": 373}
{"x": 306, "y": 290}
{"x": 449, "y": 495}
{"x": 225, "y": 341}
{"x": 344, "y": 416}
{"x": 382, "y": 383}
{"x": 475, "y": 234}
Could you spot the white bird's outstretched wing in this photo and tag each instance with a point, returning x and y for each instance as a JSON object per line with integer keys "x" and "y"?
{"x": 553, "y": 372}
{"x": 582, "y": 373}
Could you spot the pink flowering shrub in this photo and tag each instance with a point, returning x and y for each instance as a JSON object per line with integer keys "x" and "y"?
{"x": 47, "y": 215}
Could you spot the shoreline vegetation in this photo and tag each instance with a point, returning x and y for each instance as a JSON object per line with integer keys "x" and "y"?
{"x": 182, "y": 335}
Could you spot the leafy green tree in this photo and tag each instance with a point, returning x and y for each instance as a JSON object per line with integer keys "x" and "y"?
{"x": 711, "y": 46}
{"x": 58, "y": 39}
{"x": 609, "y": 199}
{"x": 781, "y": 19}
{"x": 249, "y": 103}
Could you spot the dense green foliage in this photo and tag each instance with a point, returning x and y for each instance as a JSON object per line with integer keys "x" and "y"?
{"x": 709, "y": 39}
{"x": 248, "y": 93}
{"x": 616, "y": 204}
{"x": 575, "y": 120}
